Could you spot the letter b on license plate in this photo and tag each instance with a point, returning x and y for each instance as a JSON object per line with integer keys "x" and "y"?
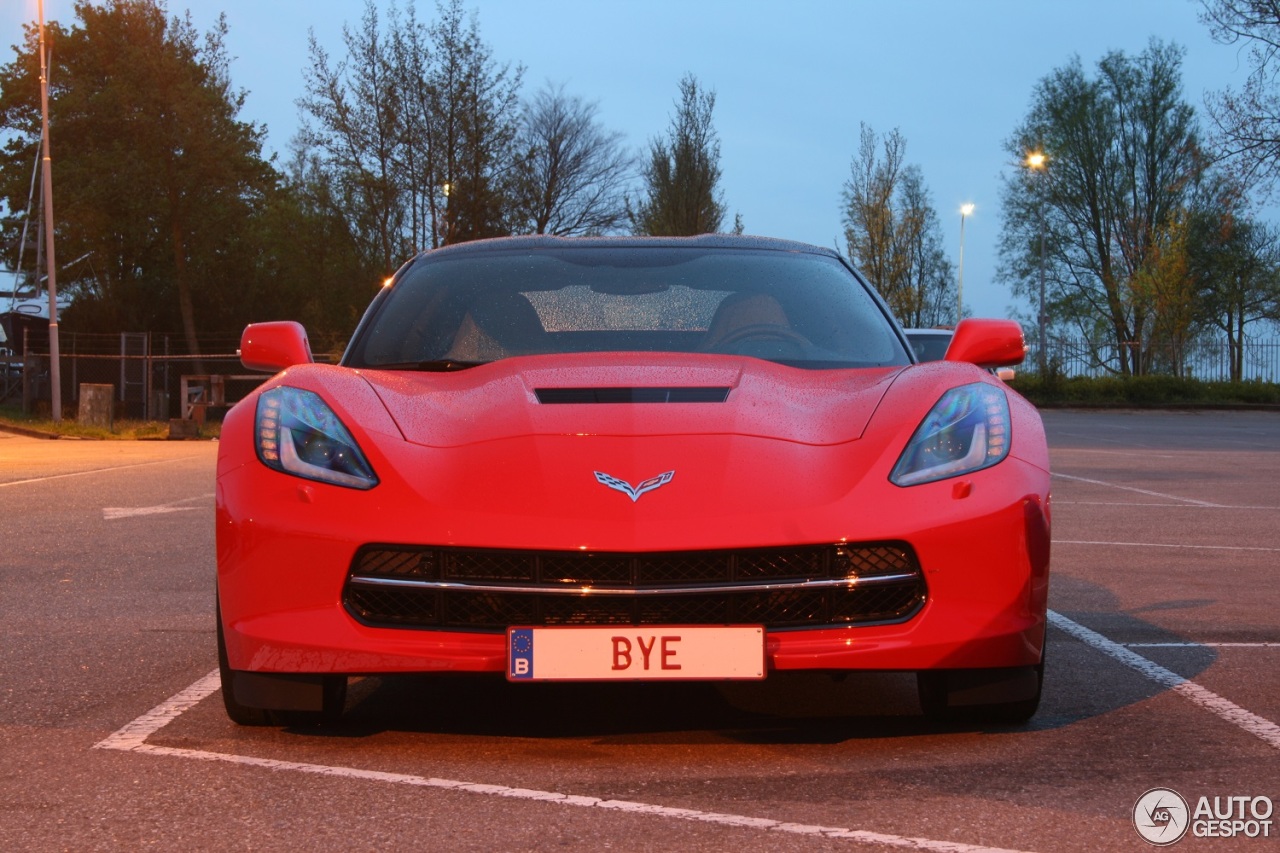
{"x": 636, "y": 653}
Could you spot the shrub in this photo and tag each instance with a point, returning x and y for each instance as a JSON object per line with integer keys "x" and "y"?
{"x": 1143, "y": 391}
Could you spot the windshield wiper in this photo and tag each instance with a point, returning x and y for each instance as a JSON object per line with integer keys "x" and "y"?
{"x": 441, "y": 365}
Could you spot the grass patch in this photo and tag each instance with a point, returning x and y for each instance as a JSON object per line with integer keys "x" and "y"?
{"x": 123, "y": 429}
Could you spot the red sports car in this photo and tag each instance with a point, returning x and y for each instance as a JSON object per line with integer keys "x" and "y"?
{"x": 631, "y": 458}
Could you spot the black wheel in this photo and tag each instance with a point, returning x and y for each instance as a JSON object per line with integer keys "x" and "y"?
{"x": 333, "y": 697}
{"x": 1008, "y": 696}
{"x": 240, "y": 714}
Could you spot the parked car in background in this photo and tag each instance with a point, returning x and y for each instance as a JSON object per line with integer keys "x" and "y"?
{"x": 929, "y": 344}
{"x": 932, "y": 345}
{"x": 588, "y": 459}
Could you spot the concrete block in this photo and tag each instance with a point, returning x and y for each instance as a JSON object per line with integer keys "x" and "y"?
{"x": 181, "y": 429}
{"x": 97, "y": 405}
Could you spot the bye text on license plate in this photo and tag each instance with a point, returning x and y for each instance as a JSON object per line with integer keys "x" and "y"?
{"x": 636, "y": 653}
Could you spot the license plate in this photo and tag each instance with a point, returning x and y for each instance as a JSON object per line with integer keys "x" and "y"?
{"x": 636, "y": 653}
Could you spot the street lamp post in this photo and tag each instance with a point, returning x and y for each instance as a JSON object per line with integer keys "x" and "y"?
{"x": 51, "y": 266}
{"x": 1036, "y": 163}
{"x": 965, "y": 211}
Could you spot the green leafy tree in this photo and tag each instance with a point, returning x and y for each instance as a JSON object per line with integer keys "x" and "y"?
{"x": 311, "y": 268}
{"x": 1122, "y": 159}
{"x": 156, "y": 180}
{"x": 892, "y": 232}
{"x": 1234, "y": 267}
{"x": 682, "y": 175}
{"x": 1165, "y": 291}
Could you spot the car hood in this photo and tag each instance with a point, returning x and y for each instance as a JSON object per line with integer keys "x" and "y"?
{"x": 647, "y": 395}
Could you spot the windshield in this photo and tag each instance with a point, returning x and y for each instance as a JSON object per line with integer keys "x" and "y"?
{"x": 796, "y": 308}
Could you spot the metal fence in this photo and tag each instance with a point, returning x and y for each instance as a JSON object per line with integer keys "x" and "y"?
{"x": 145, "y": 387}
{"x": 1204, "y": 360}
{"x": 151, "y": 386}
{"x": 153, "y": 376}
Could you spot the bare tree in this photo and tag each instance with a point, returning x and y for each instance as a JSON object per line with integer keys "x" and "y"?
{"x": 473, "y": 128}
{"x": 1247, "y": 120}
{"x": 931, "y": 296}
{"x": 418, "y": 165}
{"x": 417, "y": 128}
{"x": 893, "y": 234}
{"x": 575, "y": 171}
{"x": 352, "y": 118}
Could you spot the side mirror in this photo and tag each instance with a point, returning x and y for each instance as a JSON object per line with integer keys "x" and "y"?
{"x": 988, "y": 343}
{"x": 272, "y": 347}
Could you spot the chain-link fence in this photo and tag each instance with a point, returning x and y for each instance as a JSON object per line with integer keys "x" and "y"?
{"x": 147, "y": 385}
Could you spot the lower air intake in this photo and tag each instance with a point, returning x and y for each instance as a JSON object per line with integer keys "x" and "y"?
{"x": 490, "y": 590}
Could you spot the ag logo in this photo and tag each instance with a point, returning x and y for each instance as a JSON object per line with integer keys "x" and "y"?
{"x": 1161, "y": 816}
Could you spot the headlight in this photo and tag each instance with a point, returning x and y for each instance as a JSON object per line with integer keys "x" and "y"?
{"x": 296, "y": 433}
{"x": 967, "y": 430}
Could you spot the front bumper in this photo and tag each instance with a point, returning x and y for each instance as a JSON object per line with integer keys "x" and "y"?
{"x": 285, "y": 548}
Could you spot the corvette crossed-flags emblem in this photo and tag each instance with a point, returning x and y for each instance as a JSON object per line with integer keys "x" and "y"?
{"x": 634, "y": 492}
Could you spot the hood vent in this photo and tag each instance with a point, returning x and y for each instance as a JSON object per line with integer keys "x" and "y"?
{"x": 632, "y": 395}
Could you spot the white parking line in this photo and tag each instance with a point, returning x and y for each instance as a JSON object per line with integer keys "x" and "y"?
{"x": 1201, "y": 645}
{"x": 111, "y": 513}
{"x": 1191, "y": 501}
{"x": 1250, "y": 722}
{"x": 1098, "y": 451}
{"x": 1135, "y": 504}
{"x": 92, "y": 471}
{"x": 133, "y": 738}
{"x": 1163, "y": 545}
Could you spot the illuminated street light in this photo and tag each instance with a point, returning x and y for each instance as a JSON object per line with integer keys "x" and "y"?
{"x": 442, "y": 229}
{"x": 965, "y": 211}
{"x": 1036, "y": 163}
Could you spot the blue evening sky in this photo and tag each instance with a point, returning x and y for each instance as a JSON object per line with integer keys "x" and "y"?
{"x": 793, "y": 80}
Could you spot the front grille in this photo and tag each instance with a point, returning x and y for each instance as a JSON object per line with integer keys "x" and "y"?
{"x": 491, "y": 590}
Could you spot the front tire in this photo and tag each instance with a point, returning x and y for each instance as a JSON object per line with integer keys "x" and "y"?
{"x": 333, "y": 697}
{"x": 241, "y": 715}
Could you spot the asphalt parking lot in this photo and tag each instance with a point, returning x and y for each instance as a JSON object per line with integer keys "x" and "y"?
{"x": 1164, "y": 672}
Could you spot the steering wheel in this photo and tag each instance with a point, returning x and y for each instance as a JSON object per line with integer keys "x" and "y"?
{"x": 763, "y": 332}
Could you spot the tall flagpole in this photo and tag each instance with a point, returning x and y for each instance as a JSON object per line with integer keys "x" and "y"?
{"x": 55, "y": 371}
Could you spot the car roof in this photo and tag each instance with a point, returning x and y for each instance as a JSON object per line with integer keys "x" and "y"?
{"x": 702, "y": 241}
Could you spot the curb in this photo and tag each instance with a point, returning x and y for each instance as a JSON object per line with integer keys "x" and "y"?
{"x": 1156, "y": 407}
{"x": 31, "y": 433}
